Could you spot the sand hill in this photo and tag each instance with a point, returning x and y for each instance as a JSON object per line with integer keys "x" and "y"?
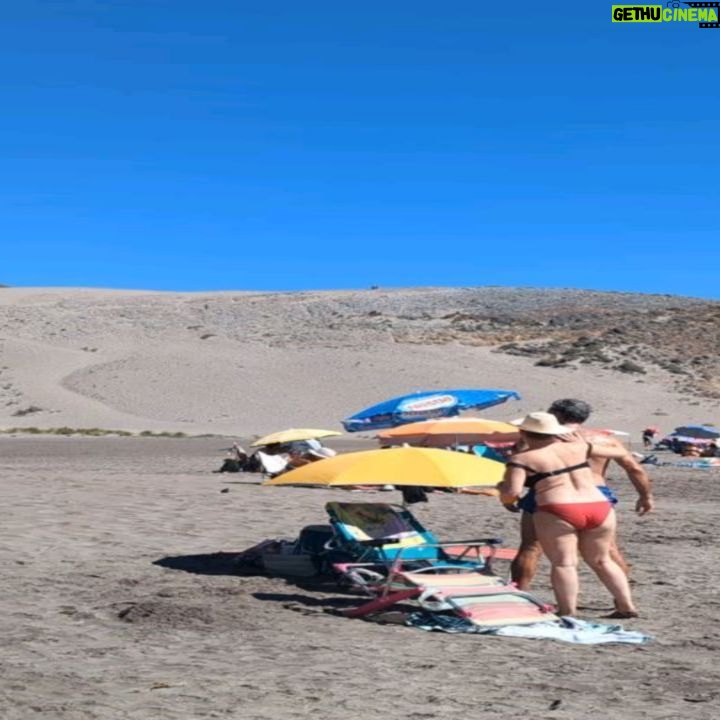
{"x": 241, "y": 363}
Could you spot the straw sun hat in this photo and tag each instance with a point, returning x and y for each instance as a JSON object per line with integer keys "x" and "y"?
{"x": 542, "y": 423}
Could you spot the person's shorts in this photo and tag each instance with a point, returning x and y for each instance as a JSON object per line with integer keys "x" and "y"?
{"x": 528, "y": 504}
{"x": 608, "y": 493}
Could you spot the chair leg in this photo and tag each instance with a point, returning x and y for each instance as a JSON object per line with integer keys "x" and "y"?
{"x": 382, "y": 603}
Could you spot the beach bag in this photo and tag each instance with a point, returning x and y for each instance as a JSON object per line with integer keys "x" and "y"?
{"x": 231, "y": 465}
{"x": 289, "y": 561}
{"x": 412, "y": 494}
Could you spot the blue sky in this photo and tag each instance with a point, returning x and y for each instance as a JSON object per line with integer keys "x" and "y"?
{"x": 179, "y": 145}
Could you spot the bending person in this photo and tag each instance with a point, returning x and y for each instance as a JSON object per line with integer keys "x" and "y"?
{"x": 572, "y": 514}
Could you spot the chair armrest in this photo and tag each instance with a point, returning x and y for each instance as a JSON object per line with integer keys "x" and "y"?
{"x": 478, "y": 541}
{"x": 377, "y": 542}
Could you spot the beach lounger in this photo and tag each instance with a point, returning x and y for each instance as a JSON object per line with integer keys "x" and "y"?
{"x": 480, "y": 600}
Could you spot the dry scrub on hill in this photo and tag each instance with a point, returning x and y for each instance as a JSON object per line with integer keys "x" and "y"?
{"x": 619, "y": 331}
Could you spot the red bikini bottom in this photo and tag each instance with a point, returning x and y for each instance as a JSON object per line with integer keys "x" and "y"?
{"x": 582, "y": 516}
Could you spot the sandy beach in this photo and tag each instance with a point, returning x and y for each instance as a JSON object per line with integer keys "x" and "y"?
{"x": 119, "y": 600}
{"x": 116, "y": 607}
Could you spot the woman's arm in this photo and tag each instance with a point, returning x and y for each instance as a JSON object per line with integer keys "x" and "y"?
{"x": 512, "y": 485}
{"x": 640, "y": 480}
{"x": 609, "y": 451}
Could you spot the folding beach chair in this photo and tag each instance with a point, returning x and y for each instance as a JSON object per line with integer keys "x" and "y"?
{"x": 469, "y": 598}
{"x": 379, "y": 537}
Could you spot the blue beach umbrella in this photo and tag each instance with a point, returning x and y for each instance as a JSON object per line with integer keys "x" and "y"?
{"x": 424, "y": 406}
{"x": 699, "y": 432}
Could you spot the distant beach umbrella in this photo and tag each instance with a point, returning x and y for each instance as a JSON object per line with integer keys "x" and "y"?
{"x": 701, "y": 432}
{"x": 293, "y": 435}
{"x": 425, "y": 406}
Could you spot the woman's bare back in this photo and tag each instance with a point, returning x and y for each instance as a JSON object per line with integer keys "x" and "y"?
{"x": 577, "y": 484}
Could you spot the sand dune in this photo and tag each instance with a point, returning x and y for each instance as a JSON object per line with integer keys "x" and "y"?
{"x": 244, "y": 363}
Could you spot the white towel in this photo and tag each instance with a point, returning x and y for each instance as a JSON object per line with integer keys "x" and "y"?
{"x": 575, "y": 631}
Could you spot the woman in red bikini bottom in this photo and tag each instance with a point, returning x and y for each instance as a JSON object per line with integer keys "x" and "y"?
{"x": 572, "y": 514}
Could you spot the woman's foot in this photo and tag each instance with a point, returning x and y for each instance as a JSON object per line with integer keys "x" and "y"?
{"x": 622, "y": 615}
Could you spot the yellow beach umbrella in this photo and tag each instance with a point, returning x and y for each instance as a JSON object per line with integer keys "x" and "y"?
{"x": 292, "y": 435}
{"x": 422, "y": 467}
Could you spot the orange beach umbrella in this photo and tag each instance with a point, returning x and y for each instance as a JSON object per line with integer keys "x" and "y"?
{"x": 452, "y": 431}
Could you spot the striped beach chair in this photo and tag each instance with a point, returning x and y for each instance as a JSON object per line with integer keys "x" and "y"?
{"x": 477, "y": 600}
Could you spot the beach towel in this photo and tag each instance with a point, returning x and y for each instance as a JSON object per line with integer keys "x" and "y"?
{"x": 579, "y": 632}
{"x": 694, "y": 463}
{"x": 565, "y": 629}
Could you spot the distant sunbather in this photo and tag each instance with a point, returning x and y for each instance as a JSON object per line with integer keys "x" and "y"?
{"x": 235, "y": 461}
{"x": 691, "y": 450}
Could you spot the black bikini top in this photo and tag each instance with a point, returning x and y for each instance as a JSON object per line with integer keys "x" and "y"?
{"x": 532, "y": 480}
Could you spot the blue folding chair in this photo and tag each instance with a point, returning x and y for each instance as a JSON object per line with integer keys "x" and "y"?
{"x": 375, "y": 538}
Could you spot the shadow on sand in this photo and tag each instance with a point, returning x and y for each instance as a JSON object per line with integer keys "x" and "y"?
{"x": 225, "y": 563}
{"x": 220, "y": 563}
{"x": 295, "y": 601}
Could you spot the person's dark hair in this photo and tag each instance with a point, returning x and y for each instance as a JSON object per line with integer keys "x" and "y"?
{"x": 535, "y": 435}
{"x": 569, "y": 410}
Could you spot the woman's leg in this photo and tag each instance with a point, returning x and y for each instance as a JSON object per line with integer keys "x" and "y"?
{"x": 559, "y": 542}
{"x": 618, "y": 557}
{"x": 595, "y": 548}
{"x": 524, "y": 566}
